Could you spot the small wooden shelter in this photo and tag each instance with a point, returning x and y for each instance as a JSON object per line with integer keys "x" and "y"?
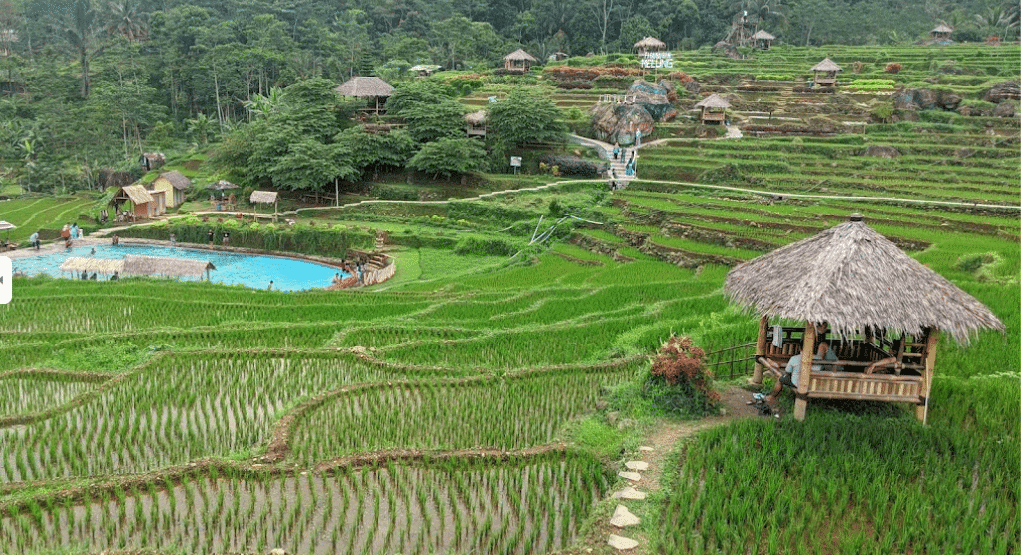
{"x": 824, "y": 73}
{"x": 649, "y": 44}
{"x": 374, "y": 89}
{"x": 137, "y": 265}
{"x": 941, "y": 33}
{"x": 173, "y": 184}
{"x": 518, "y": 61}
{"x": 714, "y": 109}
{"x": 475, "y": 123}
{"x": 144, "y": 204}
{"x": 881, "y": 310}
{"x": 762, "y": 39}
{"x": 104, "y": 266}
{"x": 424, "y": 70}
{"x": 265, "y": 197}
{"x": 151, "y": 161}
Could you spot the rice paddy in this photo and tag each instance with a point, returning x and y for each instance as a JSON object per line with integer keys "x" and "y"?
{"x": 433, "y": 414}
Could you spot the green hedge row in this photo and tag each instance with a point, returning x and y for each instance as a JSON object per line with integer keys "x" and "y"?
{"x": 300, "y": 239}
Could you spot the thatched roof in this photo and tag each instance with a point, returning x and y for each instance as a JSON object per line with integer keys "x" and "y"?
{"x": 7, "y": 225}
{"x": 136, "y": 194}
{"x": 424, "y": 67}
{"x": 519, "y": 55}
{"x": 826, "y": 65}
{"x": 265, "y": 197}
{"x": 365, "y": 87}
{"x": 477, "y": 117}
{"x": 98, "y": 265}
{"x": 223, "y": 185}
{"x": 177, "y": 179}
{"x": 853, "y": 277}
{"x": 762, "y": 35}
{"x": 649, "y": 43}
{"x": 135, "y": 265}
{"x": 941, "y": 28}
{"x": 713, "y": 101}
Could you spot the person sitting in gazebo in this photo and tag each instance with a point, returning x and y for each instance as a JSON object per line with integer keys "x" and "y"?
{"x": 792, "y": 372}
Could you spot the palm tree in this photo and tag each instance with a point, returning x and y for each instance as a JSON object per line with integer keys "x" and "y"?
{"x": 127, "y": 20}
{"x": 997, "y": 19}
{"x": 202, "y": 126}
{"x": 81, "y": 29}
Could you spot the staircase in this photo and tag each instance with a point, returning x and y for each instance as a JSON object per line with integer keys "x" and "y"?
{"x": 616, "y": 173}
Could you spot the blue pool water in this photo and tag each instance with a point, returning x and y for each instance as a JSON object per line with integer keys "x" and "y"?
{"x": 255, "y": 271}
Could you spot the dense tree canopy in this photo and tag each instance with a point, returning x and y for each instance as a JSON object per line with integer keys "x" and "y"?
{"x": 95, "y": 79}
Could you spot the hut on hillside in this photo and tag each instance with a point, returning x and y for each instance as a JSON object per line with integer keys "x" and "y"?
{"x": 714, "y": 109}
{"x": 373, "y": 89}
{"x": 881, "y": 310}
{"x": 941, "y": 33}
{"x": 424, "y": 70}
{"x": 173, "y": 184}
{"x": 265, "y": 197}
{"x": 824, "y": 73}
{"x": 151, "y": 161}
{"x": 475, "y": 123}
{"x": 518, "y": 61}
{"x": 144, "y": 204}
{"x": 649, "y": 44}
{"x": 762, "y": 39}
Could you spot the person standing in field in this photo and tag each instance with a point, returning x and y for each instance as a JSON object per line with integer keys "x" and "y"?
{"x": 616, "y": 150}
{"x": 226, "y": 238}
{"x": 173, "y": 238}
{"x": 34, "y": 239}
{"x": 270, "y": 286}
{"x": 210, "y": 237}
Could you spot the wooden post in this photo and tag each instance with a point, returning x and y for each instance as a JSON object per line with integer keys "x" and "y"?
{"x": 805, "y": 377}
{"x": 760, "y": 350}
{"x": 931, "y": 342}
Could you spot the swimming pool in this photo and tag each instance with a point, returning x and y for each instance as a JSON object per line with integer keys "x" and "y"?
{"x": 288, "y": 274}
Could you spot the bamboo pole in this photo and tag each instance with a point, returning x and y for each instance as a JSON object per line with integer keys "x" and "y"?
{"x": 807, "y": 350}
{"x": 931, "y": 343}
{"x": 760, "y": 350}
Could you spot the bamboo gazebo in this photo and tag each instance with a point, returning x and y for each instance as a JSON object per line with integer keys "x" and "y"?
{"x": 880, "y": 310}
{"x": 649, "y": 44}
{"x": 374, "y": 89}
{"x": 824, "y": 73}
{"x": 518, "y": 61}
{"x": 941, "y": 33}
{"x": 714, "y": 109}
{"x": 762, "y": 39}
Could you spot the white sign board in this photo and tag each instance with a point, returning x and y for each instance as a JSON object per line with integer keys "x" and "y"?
{"x": 655, "y": 60}
{"x": 515, "y": 161}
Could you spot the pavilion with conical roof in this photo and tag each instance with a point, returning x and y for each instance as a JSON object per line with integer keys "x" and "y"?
{"x": 881, "y": 311}
{"x": 714, "y": 109}
{"x": 824, "y": 73}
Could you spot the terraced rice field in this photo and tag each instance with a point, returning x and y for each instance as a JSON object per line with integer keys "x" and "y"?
{"x": 441, "y": 416}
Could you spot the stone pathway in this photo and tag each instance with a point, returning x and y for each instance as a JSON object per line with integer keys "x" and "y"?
{"x": 734, "y": 132}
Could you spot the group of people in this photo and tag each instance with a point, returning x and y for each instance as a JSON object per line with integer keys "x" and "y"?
{"x": 358, "y": 271}
{"x": 622, "y": 154}
{"x": 69, "y": 233}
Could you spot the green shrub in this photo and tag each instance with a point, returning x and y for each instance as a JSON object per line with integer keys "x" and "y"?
{"x": 484, "y": 247}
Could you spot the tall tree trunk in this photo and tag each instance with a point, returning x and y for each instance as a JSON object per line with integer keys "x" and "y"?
{"x": 84, "y": 58}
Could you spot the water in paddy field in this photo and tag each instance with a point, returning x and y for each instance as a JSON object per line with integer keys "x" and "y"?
{"x": 256, "y": 271}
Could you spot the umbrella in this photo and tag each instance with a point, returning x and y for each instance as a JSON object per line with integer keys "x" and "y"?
{"x": 7, "y": 226}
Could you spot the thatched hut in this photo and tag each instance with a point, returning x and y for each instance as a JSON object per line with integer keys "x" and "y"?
{"x": 173, "y": 184}
{"x": 649, "y": 44}
{"x": 144, "y": 204}
{"x": 475, "y": 123}
{"x": 714, "y": 109}
{"x": 518, "y": 61}
{"x": 265, "y": 197}
{"x": 104, "y": 266}
{"x": 881, "y": 311}
{"x": 941, "y": 33}
{"x": 136, "y": 265}
{"x": 151, "y": 161}
{"x": 762, "y": 39}
{"x": 374, "y": 89}
{"x": 824, "y": 73}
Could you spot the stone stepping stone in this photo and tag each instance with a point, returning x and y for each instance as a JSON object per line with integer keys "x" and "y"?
{"x": 620, "y": 543}
{"x": 623, "y": 517}
{"x": 633, "y": 476}
{"x": 629, "y": 493}
{"x": 645, "y": 448}
{"x": 637, "y": 465}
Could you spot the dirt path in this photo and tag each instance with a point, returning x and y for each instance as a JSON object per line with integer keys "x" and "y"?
{"x": 655, "y": 450}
